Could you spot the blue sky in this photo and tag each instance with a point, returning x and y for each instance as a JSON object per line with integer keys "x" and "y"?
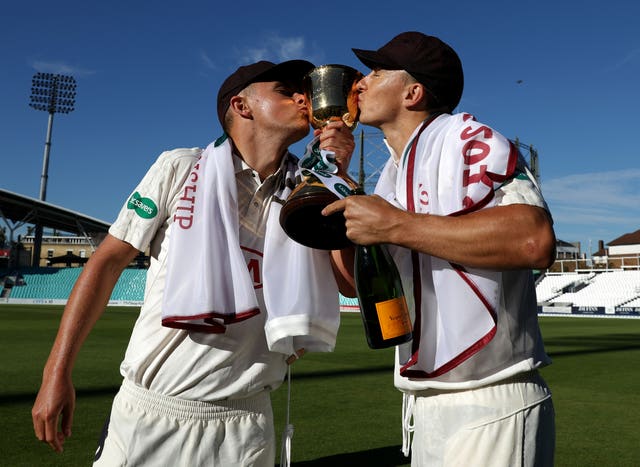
{"x": 559, "y": 75}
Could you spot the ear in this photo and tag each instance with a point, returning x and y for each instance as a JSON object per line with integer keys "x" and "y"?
{"x": 239, "y": 106}
{"x": 415, "y": 96}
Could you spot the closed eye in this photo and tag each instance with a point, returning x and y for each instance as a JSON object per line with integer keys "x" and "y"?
{"x": 285, "y": 90}
{"x": 289, "y": 88}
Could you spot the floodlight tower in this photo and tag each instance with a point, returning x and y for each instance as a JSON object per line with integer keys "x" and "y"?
{"x": 534, "y": 165}
{"x": 54, "y": 94}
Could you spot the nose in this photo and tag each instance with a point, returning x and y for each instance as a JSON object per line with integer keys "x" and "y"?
{"x": 361, "y": 85}
{"x": 300, "y": 98}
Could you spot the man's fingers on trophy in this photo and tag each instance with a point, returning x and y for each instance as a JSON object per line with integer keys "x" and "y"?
{"x": 336, "y": 125}
{"x": 330, "y": 126}
{"x": 334, "y": 207}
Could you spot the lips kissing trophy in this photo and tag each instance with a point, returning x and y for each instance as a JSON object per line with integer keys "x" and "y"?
{"x": 331, "y": 95}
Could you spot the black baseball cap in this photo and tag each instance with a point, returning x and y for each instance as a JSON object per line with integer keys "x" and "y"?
{"x": 429, "y": 60}
{"x": 292, "y": 70}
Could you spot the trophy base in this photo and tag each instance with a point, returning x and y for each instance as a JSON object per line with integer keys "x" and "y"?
{"x": 302, "y": 220}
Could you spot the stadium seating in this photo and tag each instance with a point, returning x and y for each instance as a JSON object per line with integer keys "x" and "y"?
{"x": 130, "y": 286}
{"x": 607, "y": 289}
{"x": 349, "y": 304}
{"x": 553, "y": 285}
{"x": 45, "y": 284}
{"x": 56, "y": 284}
{"x": 633, "y": 303}
{"x": 577, "y": 289}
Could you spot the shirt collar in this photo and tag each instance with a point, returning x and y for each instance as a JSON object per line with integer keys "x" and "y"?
{"x": 240, "y": 166}
{"x": 396, "y": 158}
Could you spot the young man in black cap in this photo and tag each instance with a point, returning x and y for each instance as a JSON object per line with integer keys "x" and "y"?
{"x": 466, "y": 224}
{"x": 223, "y": 311}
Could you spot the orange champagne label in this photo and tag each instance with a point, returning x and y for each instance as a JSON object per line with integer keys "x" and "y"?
{"x": 393, "y": 316}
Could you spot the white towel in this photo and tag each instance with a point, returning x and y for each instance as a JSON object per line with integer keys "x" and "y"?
{"x": 208, "y": 283}
{"x": 455, "y": 307}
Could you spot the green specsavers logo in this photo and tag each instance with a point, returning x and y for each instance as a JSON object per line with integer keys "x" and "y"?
{"x": 143, "y": 207}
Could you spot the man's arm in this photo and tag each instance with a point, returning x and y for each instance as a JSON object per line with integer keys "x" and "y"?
{"x": 86, "y": 304}
{"x": 336, "y": 137}
{"x": 342, "y": 264}
{"x": 516, "y": 236}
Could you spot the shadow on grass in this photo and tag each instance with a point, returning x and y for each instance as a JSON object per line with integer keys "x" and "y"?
{"x": 8, "y": 399}
{"x": 574, "y": 345}
{"x": 389, "y": 456}
{"x": 369, "y": 370}
{"x": 17, "y": 398}
{"x": 592, "y": 345}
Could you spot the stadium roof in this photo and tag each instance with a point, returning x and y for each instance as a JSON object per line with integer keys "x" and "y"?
{"x": 627, "y": 239}
{"x": 563, "y": 246}
{"x": 23, "y": 209}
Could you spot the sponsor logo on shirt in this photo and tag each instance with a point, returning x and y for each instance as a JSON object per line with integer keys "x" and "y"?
{"x": 144, "y": 207}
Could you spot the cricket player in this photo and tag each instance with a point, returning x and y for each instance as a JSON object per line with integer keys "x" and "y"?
{"x": 229, "y": 297}
{"x": 466, "y": 223}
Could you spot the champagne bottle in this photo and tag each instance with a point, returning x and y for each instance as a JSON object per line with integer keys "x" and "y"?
{"x": 383, "y": 306}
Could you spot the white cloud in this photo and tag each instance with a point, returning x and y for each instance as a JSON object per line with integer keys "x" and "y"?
{"x": 277, "y": 49}
{"x": 631, "y": 57}
{"x": 290, "y": 48}
{"x": 610, "y": 192}
{"x": 568, "y": 214}
{"x": 206, "y": 60}
{"x": 60, "y": 68}
{"x": 592, "y": 206}
{"x": 270, "y": 46}
{"x": 254, "y": 54}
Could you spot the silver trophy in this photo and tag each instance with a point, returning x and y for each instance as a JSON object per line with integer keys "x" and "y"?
{"x": 331, "y": 93}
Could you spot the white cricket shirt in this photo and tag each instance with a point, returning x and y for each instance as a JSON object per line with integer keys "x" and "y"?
{"x": 186, "y": 364}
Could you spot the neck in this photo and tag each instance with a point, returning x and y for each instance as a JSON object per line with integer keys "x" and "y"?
{"x": 398, "y": 132}
{"x": 263, "y": 155}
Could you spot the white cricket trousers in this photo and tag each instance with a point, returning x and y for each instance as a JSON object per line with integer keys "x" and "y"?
{"x": 507, "y": 424}
{"x": 149, "y": 429}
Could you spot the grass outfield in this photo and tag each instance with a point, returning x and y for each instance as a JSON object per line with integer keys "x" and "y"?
{"x": 345, "y": 409}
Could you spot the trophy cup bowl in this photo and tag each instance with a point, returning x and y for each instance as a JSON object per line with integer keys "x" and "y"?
{"x": 332, "y": 95}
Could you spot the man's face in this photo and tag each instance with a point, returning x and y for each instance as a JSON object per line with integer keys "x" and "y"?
{"x": 279, "y": 107}
{"x": 380, "y": 98}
